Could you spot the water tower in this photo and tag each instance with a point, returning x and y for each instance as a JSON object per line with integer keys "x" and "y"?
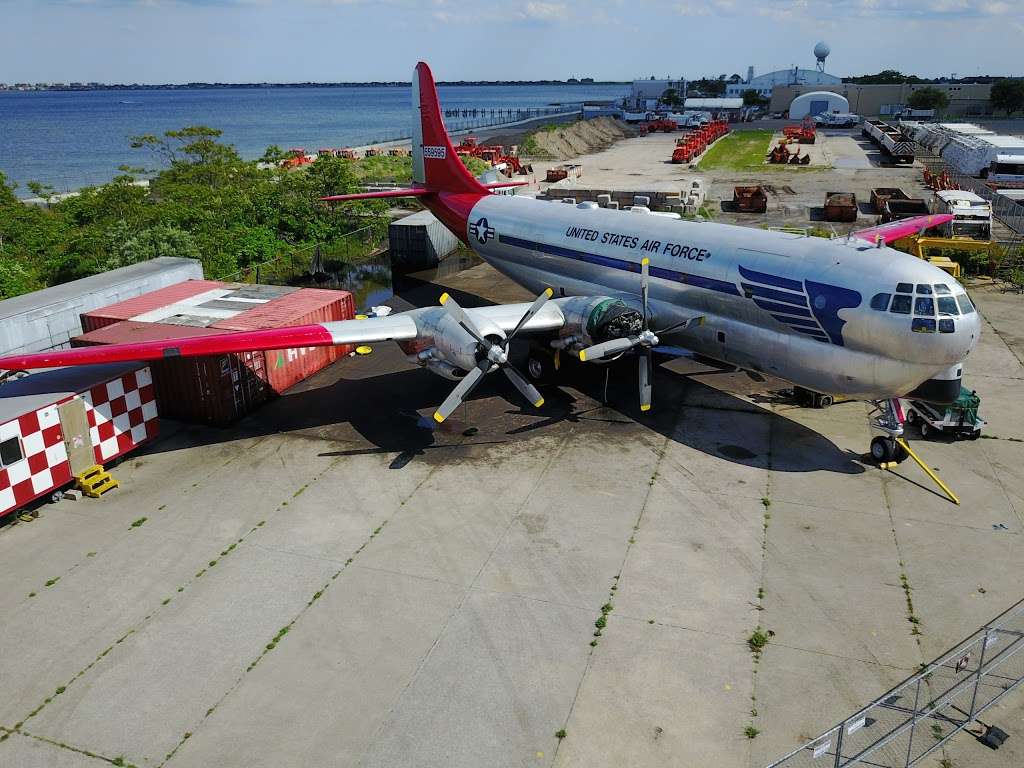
{"x": 821, "y": 52}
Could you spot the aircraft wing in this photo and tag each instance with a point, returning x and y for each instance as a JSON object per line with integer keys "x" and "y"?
{"x": 895, "y": 230}
{"x": 397, "y": 327}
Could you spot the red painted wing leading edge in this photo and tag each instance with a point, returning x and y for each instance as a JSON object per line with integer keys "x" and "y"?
{"x": 894, "y": 230}
{"x": 218, "y": 344}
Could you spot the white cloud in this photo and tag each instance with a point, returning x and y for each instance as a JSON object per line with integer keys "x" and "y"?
{"x": 544, "y": 12}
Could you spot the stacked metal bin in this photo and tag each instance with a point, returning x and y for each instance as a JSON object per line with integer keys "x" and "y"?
{"x": 419, "y": 241}
{"x": 221, "y": 389}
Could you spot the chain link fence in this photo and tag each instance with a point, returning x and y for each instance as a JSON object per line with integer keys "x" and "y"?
{"x": 314, "y": 258}
{"x": 1010, "y": 254}
{"x": 919, "y": 715}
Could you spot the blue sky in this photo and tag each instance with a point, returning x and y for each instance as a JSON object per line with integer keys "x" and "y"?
{"x": 329, "y": 40}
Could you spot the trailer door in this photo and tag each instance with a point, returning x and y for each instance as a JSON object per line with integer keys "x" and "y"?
{"x": 74, "y": 424}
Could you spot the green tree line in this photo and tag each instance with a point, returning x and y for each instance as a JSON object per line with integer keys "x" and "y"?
{"x": 204, "y": 202}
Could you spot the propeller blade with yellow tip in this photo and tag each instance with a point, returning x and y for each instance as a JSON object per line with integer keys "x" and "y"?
{"x": 539, "y": 302}
{"x": 462, "y": 390}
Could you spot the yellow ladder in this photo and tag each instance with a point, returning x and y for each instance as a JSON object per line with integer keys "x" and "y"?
{"x": 95, "y": 481}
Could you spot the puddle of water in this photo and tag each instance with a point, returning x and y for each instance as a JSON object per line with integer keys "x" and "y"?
{"x": 373, "y": 281}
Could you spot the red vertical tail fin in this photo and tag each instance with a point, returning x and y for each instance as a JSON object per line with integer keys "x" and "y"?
{"x": 435, "y": 165}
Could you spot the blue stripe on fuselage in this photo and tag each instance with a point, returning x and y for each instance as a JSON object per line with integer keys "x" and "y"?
{"x": 766, "y": 279}
{"x": 688, "y": 278}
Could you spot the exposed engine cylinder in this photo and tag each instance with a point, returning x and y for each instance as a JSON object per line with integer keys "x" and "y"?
{"x": 591, "y": 320}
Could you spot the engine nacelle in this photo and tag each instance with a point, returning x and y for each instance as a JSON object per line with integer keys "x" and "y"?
{"x": 443, "y": 346}
{"x": 592, "y": 319}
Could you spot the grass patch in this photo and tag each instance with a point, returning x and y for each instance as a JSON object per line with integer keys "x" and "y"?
{"x": 560, "y": 733}
{"x": 141, "y": 521}
{"x": 751, "y": 732}
{"x": 758, "y": 640}
{"x": 53, "y": 581}
{"x": 737, "y": 151}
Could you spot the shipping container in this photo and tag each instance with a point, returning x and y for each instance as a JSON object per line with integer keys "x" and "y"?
{"x": 57, "y": 424}
{"x": 181, "y": 294}
{"x": 219, "y": 390}
{"x": 47, "y": 319}
{"x": 215, "y": 390}
{"x": 419, "y": 241}
{"x": 287, "y": 367}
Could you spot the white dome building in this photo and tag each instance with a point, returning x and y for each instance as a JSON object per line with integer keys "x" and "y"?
{"x": 817, "y": 103}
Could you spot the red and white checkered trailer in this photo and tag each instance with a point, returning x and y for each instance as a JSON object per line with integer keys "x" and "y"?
{"x": 58, "y": 423}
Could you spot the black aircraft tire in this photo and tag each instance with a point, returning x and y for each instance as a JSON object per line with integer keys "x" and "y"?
{"x": 883, "y": 449}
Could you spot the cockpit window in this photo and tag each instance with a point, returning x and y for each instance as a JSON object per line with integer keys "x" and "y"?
{"x": 965, "y": 304}
{"x": 924, "y": 290}
{"x": 901, "y": 304}
{"x": 942, "y": 290}
{"x": 946, "y": 325}
{"x": 880, "y": 301}
{"x": 923, "y": 325}
{"x": 924, "y": 306}
{"x": 904, "y": 288}
{"x": 947, "y": 306}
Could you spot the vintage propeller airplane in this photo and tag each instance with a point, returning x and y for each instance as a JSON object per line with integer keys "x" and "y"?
{"x": 843, "y": 316}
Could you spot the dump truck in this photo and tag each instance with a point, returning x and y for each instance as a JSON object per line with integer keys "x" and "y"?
{"x": 840, "y": 206}
{"x": 890, "y": 139}
{"x": 972, "y": 214}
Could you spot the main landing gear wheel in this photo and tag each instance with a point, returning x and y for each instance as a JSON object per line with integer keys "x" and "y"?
{"x": 886, "y": 449}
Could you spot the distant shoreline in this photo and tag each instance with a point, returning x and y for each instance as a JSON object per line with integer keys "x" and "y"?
{"x": 27, "y": 87}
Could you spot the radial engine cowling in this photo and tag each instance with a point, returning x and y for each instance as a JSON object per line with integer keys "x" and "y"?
{"x": 444, "y": 347}
{"x": 592, "y": 319}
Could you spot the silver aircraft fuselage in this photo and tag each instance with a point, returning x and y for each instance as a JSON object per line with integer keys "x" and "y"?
{"x": 800, "y": 308}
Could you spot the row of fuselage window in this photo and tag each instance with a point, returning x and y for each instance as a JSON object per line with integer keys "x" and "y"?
{"x": 923, "y": 305}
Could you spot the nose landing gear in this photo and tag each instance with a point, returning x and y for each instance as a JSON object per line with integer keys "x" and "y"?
{"x": 885, "y": 450}
{"x": 892, "y": 448}
{"x": 888, "y": 418}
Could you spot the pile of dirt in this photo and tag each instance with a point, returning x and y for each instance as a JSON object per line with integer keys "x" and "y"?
{"x": 580, "y": 138}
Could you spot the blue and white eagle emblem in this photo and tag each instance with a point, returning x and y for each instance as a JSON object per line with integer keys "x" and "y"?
{"x": 481, "y": 230}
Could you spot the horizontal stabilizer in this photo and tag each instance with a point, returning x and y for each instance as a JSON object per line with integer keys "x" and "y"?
{"x": 407, "y": 192}
{"x": 894, "y": 230}
{"x": 506, "y": 184}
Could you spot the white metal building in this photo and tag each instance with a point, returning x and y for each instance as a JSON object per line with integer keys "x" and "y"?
{"x": 764, "y": 84}
{"x": 817, "y": 103}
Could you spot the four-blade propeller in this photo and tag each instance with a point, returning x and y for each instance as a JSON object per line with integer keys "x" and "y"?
{"x": 492, "y": 355}
{"x": 645, "y": 341}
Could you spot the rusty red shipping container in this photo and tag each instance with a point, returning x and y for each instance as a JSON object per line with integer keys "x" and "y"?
{"x": 205, "y": 390}
{"x": 221, "y": 389}
{"x": 287, "y": 367}
{"x": 147, "y": 302}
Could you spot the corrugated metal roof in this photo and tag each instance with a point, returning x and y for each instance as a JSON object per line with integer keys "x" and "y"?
{"x": 285, "y": 310}
{"x": 1004, "y": 142}
{"x": 148, "y": 302}
{"x": 30, "y": 393}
